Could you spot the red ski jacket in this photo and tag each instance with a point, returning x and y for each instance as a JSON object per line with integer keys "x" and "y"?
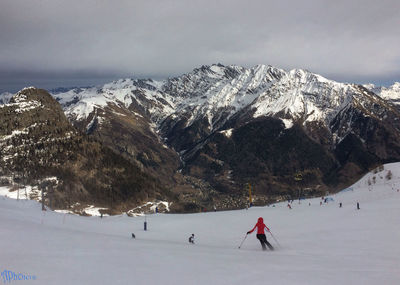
{"x": 260, "y": 227}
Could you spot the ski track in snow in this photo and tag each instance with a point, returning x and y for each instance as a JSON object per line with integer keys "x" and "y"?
{"x": 319, "y": 244}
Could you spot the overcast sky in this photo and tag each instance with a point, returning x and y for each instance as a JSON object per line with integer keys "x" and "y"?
{"x": 50, "y": 43}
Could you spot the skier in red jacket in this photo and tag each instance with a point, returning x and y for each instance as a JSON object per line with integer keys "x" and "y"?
{"x": 260, "y": 234}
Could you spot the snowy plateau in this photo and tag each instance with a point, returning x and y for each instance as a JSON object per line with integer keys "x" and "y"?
{"x": 317, "y": 244}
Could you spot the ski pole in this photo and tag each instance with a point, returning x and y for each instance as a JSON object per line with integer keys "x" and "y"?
{"x": 243, "y": 240}
{"x": 274, "y": 239}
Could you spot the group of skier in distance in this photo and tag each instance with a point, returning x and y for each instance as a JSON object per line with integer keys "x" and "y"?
{"x": 261, "y": 228}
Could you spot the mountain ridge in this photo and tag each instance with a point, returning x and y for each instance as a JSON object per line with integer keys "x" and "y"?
{"x": 188, "y": 112}
{"x": 220, "y": 127}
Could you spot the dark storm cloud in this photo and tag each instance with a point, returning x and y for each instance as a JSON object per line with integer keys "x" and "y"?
{"x": 349, "y": 40}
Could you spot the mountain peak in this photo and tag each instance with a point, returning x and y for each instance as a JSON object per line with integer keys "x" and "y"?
{"x": 33, "y": 94}
{"x": 271, "y": 72}
{"x": 395, "y": 86}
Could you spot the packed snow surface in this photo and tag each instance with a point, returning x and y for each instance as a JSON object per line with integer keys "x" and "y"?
{"x": 319, "y": 244}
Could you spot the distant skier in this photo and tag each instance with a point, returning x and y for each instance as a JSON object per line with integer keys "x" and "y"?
{"x": 290, "y": 207}
{"x": 261, "y": 234}
{"x": 191, "y": 238}
{"x": 358, "y": 206}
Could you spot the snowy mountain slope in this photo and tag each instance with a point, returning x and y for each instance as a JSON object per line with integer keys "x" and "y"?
{"x": 212, "y": 90}
{"x": 318, "y": 244}
{"x": 302, "y": 95}
{"x": 79, "y": 103}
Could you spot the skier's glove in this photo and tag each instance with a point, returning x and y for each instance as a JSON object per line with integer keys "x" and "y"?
{"x": 248, "y": 233}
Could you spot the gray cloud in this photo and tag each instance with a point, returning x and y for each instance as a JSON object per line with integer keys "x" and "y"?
{"x": 347, "y": 40}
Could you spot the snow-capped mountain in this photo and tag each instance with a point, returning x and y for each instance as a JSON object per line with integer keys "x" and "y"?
{"x": 207, "y": 133}
{"x": 391, "y": 93}
{"x": 231, "y": 124}
{"x": 212, "y": 95}
{"x": 203, "y": 92}
{"x": 217, "y": 92}
{"x": 210, "y": 90}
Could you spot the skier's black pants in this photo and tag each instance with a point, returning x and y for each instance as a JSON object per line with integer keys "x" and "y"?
{"x": 263, "y": 240}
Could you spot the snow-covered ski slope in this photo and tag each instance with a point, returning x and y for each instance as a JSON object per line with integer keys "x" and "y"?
{"x": 319, "y": 244}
